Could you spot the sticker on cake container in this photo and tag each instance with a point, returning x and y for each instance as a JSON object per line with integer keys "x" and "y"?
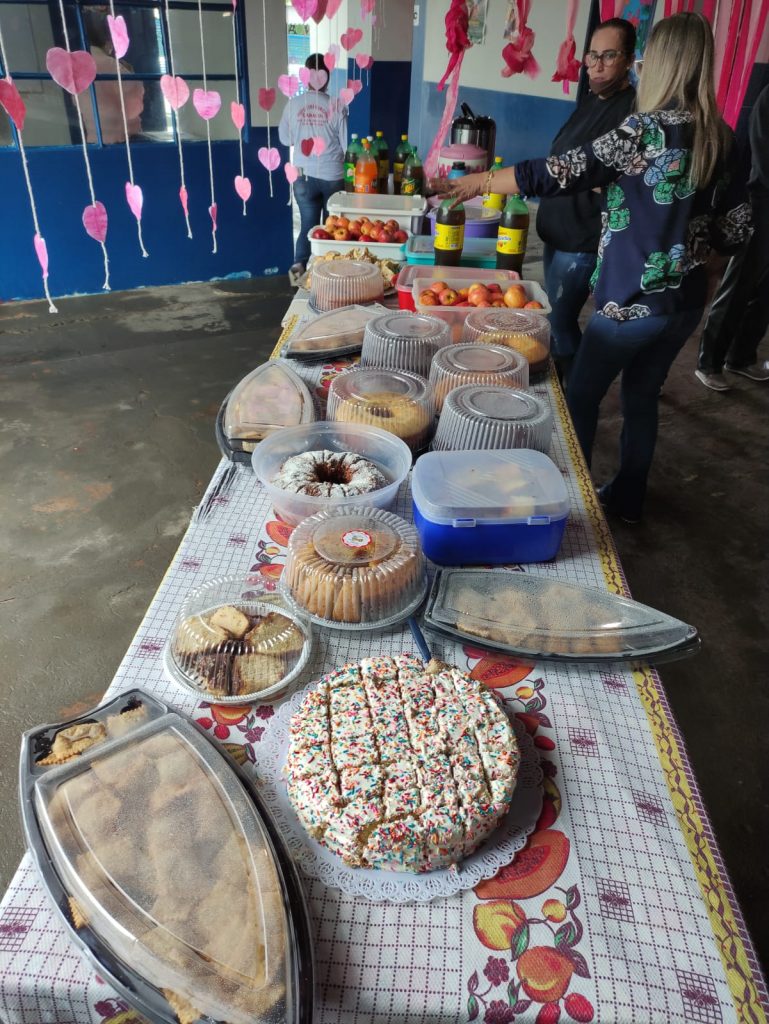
{"x": 356, "y": 539}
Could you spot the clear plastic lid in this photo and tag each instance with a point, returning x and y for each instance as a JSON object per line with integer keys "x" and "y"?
{"x": 270, "y": 397}
{"x": 395, "y": 400}
{"x": 379, "y": 204}
{"x": 171, "y": 870}
{"x": 237, "y": 639}
{"x": 527, "y": 332}
{"x": 547, "y": 619}
{"x": 486, "y": 416}
{"x": 477, "y": 364}
{"x": 505, "y": 486}
{"x": 337, "y": 283}
{"x": 404, "y": 341}
{"x": 337, "y": 333}
{"x": 355, "y": 568}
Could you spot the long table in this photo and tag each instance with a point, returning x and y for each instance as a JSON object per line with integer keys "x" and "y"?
{"x": 619, "y": 909}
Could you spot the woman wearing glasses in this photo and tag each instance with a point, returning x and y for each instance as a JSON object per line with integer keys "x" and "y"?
{"x": 570, "y": 226}
{"x": 672, "y": 196}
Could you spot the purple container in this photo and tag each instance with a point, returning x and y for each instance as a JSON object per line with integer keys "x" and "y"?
{"x": 480, "y": 221}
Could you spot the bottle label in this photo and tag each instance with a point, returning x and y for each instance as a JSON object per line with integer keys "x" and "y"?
{"x": 494, "y": 200}
{"x": 449, "y": 237}
{"x": 397, "y": 171}
{"x": 512, "y": 241}
{"x": 384, "y": 168}
{"x": 366, "y": 186}
{"x": 349, "y": 173}
{"x": 409, "y": 186}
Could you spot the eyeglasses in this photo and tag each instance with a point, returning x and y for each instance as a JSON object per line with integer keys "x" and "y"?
{"x": 606, "y": 57}
{"x": 638, "y": 66}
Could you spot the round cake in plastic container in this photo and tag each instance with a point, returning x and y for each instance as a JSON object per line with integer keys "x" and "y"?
{"x": 353, "y": 568}
{"x": 236, "y": 639}
{"x": 394, "y": 400}
{"x": 477, "y": 364}
{"x": 526, "y": 332}
{"x": 345, "y": 283}
{"x": 480, "y": 416}
{"x": 404, "y": 341}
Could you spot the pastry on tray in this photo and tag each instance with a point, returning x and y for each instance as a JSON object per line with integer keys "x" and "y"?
{"x": 400, "y": 766}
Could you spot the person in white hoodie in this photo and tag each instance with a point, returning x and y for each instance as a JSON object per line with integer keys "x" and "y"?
{"x": 314, "y": 114}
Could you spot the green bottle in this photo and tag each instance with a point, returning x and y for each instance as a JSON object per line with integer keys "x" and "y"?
{"x": 413, "y": 180}
{"x": 449, "y": 234}
{"x": 513, "y": 234}
{"x": 383, "y": 161}
{"x": 399, "y": 159}
{"x": 354, "y": 150}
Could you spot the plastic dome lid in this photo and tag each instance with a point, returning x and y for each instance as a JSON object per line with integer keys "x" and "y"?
{"x": 339, "y": 332}
{"x": 394, "y": 400}
{"x": 525, "y": 331}
{"x": 471, "y": 363}
{"x": 483, "y": 416}
{"x": 394, "y": 326}
{"x": 404, "y": 341}
{"x": 338, "y": 283}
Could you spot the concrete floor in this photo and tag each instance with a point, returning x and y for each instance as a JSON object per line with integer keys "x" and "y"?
{"x": 106, "y": 445}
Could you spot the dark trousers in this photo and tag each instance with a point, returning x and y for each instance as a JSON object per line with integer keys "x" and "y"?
{"x": 642, "y": 351}
{"x": 311, "y": 196}
{"x": 739, "y": 315}
{"x": 567, "y": 282}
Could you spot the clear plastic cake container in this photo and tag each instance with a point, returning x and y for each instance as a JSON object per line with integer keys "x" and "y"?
{"x": 525, "y": 330}
{"x": 488, "y": 417}
{"x": 328, "y": 335}
{"x": 489, "y": 507}
{"x": 455, "y": 316}
{"x": 388, "y": 453}
{"x": 338, "y": 283}
{"x": 236, "y": 639}
{"x": 397, "y": 401}
{"x": 403, "y": 341}
{"x": 355, "y": 569}
{"x": 475, "y": 364}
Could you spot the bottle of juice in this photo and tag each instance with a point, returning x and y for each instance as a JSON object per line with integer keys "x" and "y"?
{"x": 513, "y": 234}
{"x": 354, "y": 150}
{"x": 449, "y": 234}
{"x": 413, "y": 180}
{"x": 366, "y": 171}
{"x": 399, "y": 159}
{"x": 495, "y": 200}
{"x": 383, "y": 160}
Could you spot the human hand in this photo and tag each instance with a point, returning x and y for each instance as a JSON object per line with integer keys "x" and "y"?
{"x": 459, "y": 190}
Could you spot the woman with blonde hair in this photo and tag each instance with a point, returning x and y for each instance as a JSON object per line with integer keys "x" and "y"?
{"x": 672, "y": 197}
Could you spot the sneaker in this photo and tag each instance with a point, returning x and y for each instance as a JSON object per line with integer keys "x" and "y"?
{"x": 756, "y": 371}
{"x": 295, "y": 273}
{"x": 714, "y": 381}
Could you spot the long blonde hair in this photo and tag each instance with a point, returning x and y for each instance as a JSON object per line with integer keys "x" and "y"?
{"x": 678, "y": 72}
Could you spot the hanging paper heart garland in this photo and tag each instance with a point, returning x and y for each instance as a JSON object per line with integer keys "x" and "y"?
{"x": 238, "y": 116}
{"x": 267, "y": 99}
{"x": 95, "y": 221}
{"x": 288, "y": 85}
{"x": 291, "y": 172}
{"x": 12, "y": 103}
{"x": 176, "y": 92}
{"x": 305, "y": 8}
{"x": 332, "y": 6}
{"x": 119, "y": 34}
{"x": 364, "y": 60}
{"x": 346, "y": 95}
{"x": 355, "y": 84}
{"x": 351, "y": 38}
{"x": 269, "y": 157}
{"x": 208, "y": 103}
{"x": 243, "y": 187}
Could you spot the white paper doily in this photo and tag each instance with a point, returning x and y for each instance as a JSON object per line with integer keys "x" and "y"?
{"x": 396, "y": 886}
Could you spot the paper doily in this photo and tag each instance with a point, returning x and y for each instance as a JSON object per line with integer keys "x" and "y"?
{"x": 396, "y": 886}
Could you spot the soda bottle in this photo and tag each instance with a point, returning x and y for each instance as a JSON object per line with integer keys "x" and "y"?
{"x": 413, "y": 180}
{"x": 366, "y": 170}
{"x": 354, "y": 150}
{"x": 383, "y": 160}
{"x": 449, "y": 234}
{"x": 458, "y": 169}
{"x": 495, "y": 200}
{"x": 513, "y": 234}
{"x": 399, "y": 160}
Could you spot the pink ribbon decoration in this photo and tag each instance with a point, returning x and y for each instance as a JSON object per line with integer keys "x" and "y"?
{"x": 517, "y": 54}
{"x": 305, "y": 8}
{"x": 267, "y": 99}
{"x": 74, "y": 71}
{"x": 739, "y": 85}
{"x": 238, "y": 115}
{"x": 95, "y": 221}
{"x": 119, "y": 33}
{"x": 353, "y": 36}
{"x": 207, "y": 102}
{"x": 288, "y": 85}
{"x": 567, "y": 68}
{"x": 270, "y": 158}
{"x": 12, "y": 103}
{"x": 457, "y": 42}
{"x": 243, "y": 187}
{"x": 175, "y": 90}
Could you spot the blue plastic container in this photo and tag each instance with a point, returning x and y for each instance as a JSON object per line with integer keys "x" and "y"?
{"x": 489, "y": 507}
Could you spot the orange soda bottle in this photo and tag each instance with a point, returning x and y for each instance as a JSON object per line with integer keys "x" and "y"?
{"x": 366, "y": 170}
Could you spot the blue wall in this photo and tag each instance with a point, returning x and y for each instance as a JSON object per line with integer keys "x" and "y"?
{"x": 383, "y": 103}
{"x": 257, "y": 244}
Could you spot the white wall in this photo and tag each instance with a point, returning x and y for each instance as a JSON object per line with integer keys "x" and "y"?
{"x": 277, "y": 55}
{"x": 393, "y": 30}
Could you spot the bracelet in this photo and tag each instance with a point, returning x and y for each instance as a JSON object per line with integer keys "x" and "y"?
{"x": 487, "y": 184}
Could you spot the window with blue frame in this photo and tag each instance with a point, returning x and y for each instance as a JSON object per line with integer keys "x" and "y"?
{"x": 31, "y": 28}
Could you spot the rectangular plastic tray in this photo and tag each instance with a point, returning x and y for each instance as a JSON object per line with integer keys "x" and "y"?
{"x": 407, "y": 210}
{"x": 476, "y": 252}
{"x": 460, "y": 277}
{"x": 382, "y": 250}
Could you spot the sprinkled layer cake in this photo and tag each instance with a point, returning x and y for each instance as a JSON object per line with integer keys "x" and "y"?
{"x": 396, "y": 766}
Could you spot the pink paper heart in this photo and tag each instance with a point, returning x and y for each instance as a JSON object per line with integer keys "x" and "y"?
{"x": 183, "y": 198}
{"x": 304, "y": 76}
{"x": 42, "y": 253}
{"x": 306, "y": 146}
{"x": 10, "y": 99}
{"x": 291, "y": 172}
{"x": 364, "y": 60}
{"x": 318, "y": 78}
{"x": 355, "y": 84}
{"x": 319, "y": 12}
{"x": 334, "y": 50}
{"x": 212, "y": 209}
{"x": 330, "y": 60}
{"x": 73, "y": 71}
{"x": 346, "y": 96}
{"x": 119, "y": 33}
{"x": 135, "y": 199}
{"x": 288, "y": 85}
{"x": 366, "y": 7}
{"x": 318, "y": 145}
{"x": 305, "y": 8}
{"x": 269, "y": 158}
{"x": 238, "y": 115}
{"x": 95, "y": 221}
{"x": 351, "y": 38}
{"x": 207, "y": 103}
{"x": 243, "y": 187}
{"x": 267, "y": 99}
{"x": 332, "y": 7}
{"x": 175, "y": 90}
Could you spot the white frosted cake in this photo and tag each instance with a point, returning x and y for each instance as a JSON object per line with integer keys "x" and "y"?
{"x": 395, "y": 766}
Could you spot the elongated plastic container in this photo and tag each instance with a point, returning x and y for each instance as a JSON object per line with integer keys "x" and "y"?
{"x": 345, "y": 283}
{"x": 489, "y": 507}
{"x": 337, "y": 333}
{"x": 455, "y": 316}
{"x": 403, "y": 341}
{"x": 394, "y": 400}
{"x": 488, "y": 417}
{"x": 476, "y": 252}
{"x": 526, "y": 331}
{"x": 455, "y": 277}
{"x": 474, "y": 364}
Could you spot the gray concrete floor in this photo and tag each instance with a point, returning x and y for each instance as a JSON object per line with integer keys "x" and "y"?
{"x": 106, "y": 445}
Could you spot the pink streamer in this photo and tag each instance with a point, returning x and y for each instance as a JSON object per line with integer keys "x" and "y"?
{"x": 431, "y": 161}
{"x": 730, "y": 48}
{"x": 566, "y": 66}
{"x": 740, "y": 85}
{"x": 517, "y": 54}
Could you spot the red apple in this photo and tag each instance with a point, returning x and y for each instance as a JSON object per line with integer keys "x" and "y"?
{"x": 374, "y": 233}
{"x": 392, "y": 225}
{"x": 400, "y": 237}
{"x": 320, "y": 233}
{"x": 330, "y": 223}
{"x": 342, "y": 235}
{"x": 448, "y": 297}
{"x": 354, "y": 235}
{"x": 438, "y": 287}
{"x": 428, "y": 298}
{"x": 386, "y": 236}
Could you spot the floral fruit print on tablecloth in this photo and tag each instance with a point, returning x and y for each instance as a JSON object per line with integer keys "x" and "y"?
{"x": 527, "y": 920}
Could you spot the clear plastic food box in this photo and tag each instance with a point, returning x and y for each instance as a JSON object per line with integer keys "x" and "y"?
{"x": 489, "y": 507}
{"x": 328, "y": 335}
{"x": 403, "y": 341}
{"x": 169, "y": 875}
{"x": 455, "y": 277}
{"x": 525, "y": 330}
{"x": 476, "y": 364}
{"x": 455, "y": 316}
{"x": 407, "y": 210}
{"x": 338, "y": 283}
{"x": 488, "y": 417}
{"x": 394, "y": 400}
{"x": 383, "y": 250}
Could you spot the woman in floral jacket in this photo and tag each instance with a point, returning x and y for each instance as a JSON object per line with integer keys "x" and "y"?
{"x": 672, "y": 198}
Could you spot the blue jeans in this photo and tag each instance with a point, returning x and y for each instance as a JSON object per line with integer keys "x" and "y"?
{"x": 642, "y": 351}
{"x": 567, "y": 283}
{"x": 311, "y": 196}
